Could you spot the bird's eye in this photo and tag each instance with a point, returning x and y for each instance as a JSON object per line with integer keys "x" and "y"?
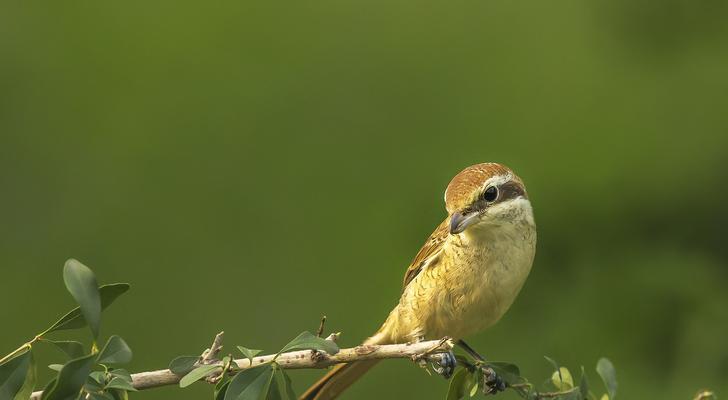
{"x": 490, "y": 194}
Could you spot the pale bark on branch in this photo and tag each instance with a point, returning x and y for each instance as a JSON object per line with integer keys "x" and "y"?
{"x": 307, "y": 359}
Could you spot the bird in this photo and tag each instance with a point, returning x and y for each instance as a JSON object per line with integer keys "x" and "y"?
{"x": 465, "y": 276}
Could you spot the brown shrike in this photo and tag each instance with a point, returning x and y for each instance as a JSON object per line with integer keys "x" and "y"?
{"x": 466, "y": 275}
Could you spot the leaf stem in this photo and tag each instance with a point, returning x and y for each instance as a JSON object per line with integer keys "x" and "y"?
{"x": 27, "y": 345}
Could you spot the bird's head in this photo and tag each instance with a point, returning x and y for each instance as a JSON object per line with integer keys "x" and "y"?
{"x": 484, "y": 196}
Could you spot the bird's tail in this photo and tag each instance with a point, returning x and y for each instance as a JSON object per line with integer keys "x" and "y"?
{"x": 337, "y": 380}
{"x": 331, "y": 385}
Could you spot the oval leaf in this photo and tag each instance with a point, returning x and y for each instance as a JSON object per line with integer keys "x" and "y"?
{"x": 198, "y": 373}
{"x": 605, "y": 369}
{"x": 74, "y": 319}
{"x": 250, "y": 384}
{"x": 120, "y": 383}
{"x": 71, "y": 379}
{"x": 93, "y": 385}
{"x": 584, "y": 384}
{"x": 459, "y": 384}
{"x": 98, "y": 377}
{"x": 308, "y": 341}
{"x": 121, "y": 373}
{"x": 81, "y": 283}
{"x": 30, "y": 379}
{"x": 72, "y": 348}
{"x": 562, "y": 379}
{"x": 281, "y": 388}
{"x": 509, "y": 373}
{"x": 13, "y": 374}
{"x": 116, "y": 351}
{"x": 182, "y": 365}
{"x": 554, "y": 364}
{"x": 221, "y": 389}
{"x": 48, "y": 389}
{"x": 250, "y": 353}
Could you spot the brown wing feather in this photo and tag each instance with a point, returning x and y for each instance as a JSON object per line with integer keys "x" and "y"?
{"x": 428, "y": 252}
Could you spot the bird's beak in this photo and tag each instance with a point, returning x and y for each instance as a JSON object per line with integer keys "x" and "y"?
{"x": 458, "y": 221}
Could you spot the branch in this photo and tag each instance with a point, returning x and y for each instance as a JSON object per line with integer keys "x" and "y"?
{"x": 307, "y": 359}
{"x": 208, "y": 356}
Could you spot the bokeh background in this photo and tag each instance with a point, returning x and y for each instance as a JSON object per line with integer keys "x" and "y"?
{"x": 250, "y": 166}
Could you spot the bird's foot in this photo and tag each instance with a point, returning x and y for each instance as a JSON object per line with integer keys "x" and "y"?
{"x": 492, "y": 382}
{"x": 443, "y": 364}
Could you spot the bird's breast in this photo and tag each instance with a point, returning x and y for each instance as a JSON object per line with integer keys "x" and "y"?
{"x": 476, "y": 281}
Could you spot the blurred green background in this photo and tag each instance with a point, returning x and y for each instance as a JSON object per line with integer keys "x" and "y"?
{"x": 250, "y": 166}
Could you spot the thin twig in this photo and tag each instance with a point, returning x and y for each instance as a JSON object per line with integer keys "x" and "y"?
{"x": 320, "y": 330}
{"x": 551, "y": 395}
{"x": 15, "y": 352}
{"x": 303, "y": 360}
{"x": 208, "y": 356}
{"x": 544, "y": 395}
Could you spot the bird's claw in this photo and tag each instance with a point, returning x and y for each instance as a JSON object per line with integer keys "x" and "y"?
{"x": 444, "y": 364}
{"x": 493, "y": 382}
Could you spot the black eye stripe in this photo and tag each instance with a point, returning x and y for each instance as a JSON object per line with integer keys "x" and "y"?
{"x": 511, "y": 190}
{"x": 494, "y": 194}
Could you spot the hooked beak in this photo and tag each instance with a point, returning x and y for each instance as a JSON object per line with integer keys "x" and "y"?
{"x": 458, "y": 221}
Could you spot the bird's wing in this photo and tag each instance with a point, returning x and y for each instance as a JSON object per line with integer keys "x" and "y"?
{"x": 429, "y": 252}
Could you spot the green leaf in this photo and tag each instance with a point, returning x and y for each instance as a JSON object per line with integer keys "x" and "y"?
{"x": 459, "y": 384}
{"x": 584, "y": 384}
{"x": 220, "y": 389}
{"x": 95, "y": 383}
{"x": 250, "y": 353}
{"x": 120, "y": 383}
{"x": 562, "y": 379}
{"x": 555, "y": 365}
{"x": 308, "y": 341}
{"x": 121, "y": 373}
{"x": 606, "y": 371}
{"x": 72, "y": 348}
{"x": 197, "y": 374}
{"x": 99, "y": 377}
{"x": 281, "y": 388}
{"x": 101, "y": 396}
{"x": 571, "y": 395}
{"x": 31, "y": 378}
{"x": 250, "y": 384}
{"x": 74, "y": 319}
{"x": 118, "y": 394}
{"x": 182, "y": 365}
{"x": 81, "y": 283}
{"x": 48, "y": 389}
{"x": 71, "y": 378}
{"x": 13, "y": 374}
{"x": 509, "y": 373}
{"x": 474, "y": 388}
{"x": 116, "y": 351}
{"x": 56, "y": 367}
